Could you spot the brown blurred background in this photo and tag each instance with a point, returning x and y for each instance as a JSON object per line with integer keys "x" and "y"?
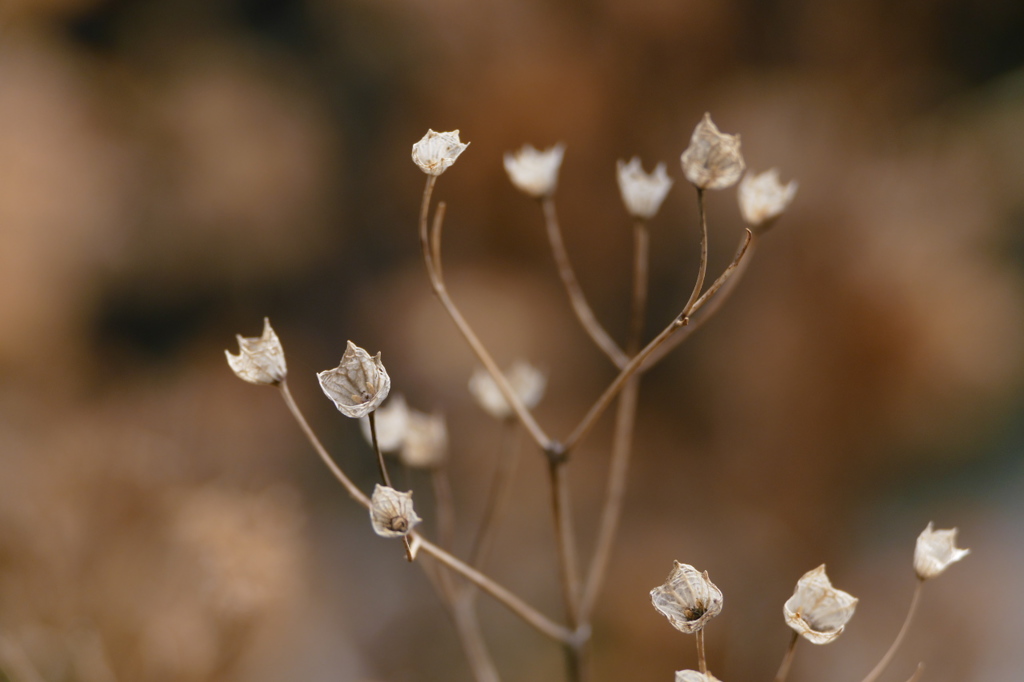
{"x": 172, "y": 171}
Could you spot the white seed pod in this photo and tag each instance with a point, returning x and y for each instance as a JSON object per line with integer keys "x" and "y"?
{"x": 642, "y": 194}
{"x": 817, "y": 610}
{"x": 437, "y": 151}
{"x": 713, "y": 159}
{"x": 526, "y": 381}
{"x": 535, "y": 172}
{"x": 260, "y": 360}
{"x": 425, "y": 445}
{"x": 688, "y": 598}
{"x": 391, "y": 512}
{"x": 935, "y": 551}
{"x": 762, "y": 197}
{"x": 694, "y": 676}
{"x": 392, "y": 420}
{"x": 358, "y": 385}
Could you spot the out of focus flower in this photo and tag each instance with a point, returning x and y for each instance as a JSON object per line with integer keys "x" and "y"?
{"x": 713, "y": 159}
{"x": 694, "y": 676}
{"x": 392, "y": 420}
{"x": 526, "y": 381}
{"x": 391, "y": 512}
{"x": 688, "y": 598}
{"x": 762, "y": 197}
{"x": 260, "y": 360}
{"x": 426, "y": 441}
{"x": 358, "y": 385}
{"x": 642, "y": 193}
{"x": 817, "y": 610}
{"x": 535, "y": 172}
{"x": 436, "y": 151}
{"x": 935, "y": 551}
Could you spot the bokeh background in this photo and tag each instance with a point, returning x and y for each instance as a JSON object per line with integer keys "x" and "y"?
{"x": 172, "y": 171}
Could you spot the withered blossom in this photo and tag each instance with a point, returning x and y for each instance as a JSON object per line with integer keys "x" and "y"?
{"x": 694, "y": 676}
{"x": 425, "y": 445}
{"x": 359, "y": 383}
{"x": 437, "y": 151}
{"x": 762, "y": 197}
{"x": 526, "y": 381}
{"x": 391, "y": 512}
{"x": 535, "y": 172}
{"x": 935, "y": 551}
{"x": 642, "y": 193}
{"x": 688, "y": 598}
{"x": 713, "y": 159}
{"x": 260, "y": 360}
{"x": 817, "y": 610}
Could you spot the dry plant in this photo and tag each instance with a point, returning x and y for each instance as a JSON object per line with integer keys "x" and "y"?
{"x": 360, "y": 384}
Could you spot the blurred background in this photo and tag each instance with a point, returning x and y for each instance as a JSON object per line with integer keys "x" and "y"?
{"x": 173, "y": 171}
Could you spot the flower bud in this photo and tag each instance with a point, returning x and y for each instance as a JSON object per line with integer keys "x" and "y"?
{"x": 817, "y": 610}
{"x": 426, "y": 441}
{"x": 527, "y": 382}
{"x": 391, "y": 512}
{"x": 358, "y": 385}
{"x": 694, "y": 676}
{"x": 642, "y": 193}
{"x": 436, "y": 151}
{"x": 688, "y": 599}
{"x": 392, "y": 421}
{"x": 713, "y": 159}
{"x": 535, "y": 172}
{"x": 935, "y": 551}
{"x": 762, "y": 197}
{"x": 260, "y": 360}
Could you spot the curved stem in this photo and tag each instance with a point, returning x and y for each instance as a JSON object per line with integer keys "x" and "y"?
{"x": 472, "y": 639}
{"x": 385, "y": 479}
{"x": 887, "y": 658}
{"x": 565, "y": 539}
{"x": 583, "y": 311}
{"x": 702, "y": 661}
{"x": 498, "y": 496}
{"x": 787, "y": 660}
{"x": 703, "y": 267}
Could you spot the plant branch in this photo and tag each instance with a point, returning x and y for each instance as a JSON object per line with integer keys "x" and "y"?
{"x": 887, "y": 658}
{"x": 498, "y": 496}
{"x": 385, "y": 479}
{"x": 445, "y": 507}
{"x": 787, "y": 659}
{"x": 703, "y": 267}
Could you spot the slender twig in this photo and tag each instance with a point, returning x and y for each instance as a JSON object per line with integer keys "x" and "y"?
{"x": 499, "y": 494}
{"x": 384, "y": 478}
{"x": 641, "y": 259}
{"x": 583, "y": 311}
{"x": 441, "y": 291}
{"x": 703, "y": 267}
{"x": 787, "y": 660}
{"x": 887, "y": 658}
{"x": 565, "y": 538}
{"x": 445, "y": 507}
{"x": 917, "y": 673}
{"x": 702, "y": 661}
{"x": 471, "y": 636}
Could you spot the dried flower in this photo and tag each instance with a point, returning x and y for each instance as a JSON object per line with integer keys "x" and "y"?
{"x": 526, "y": 381}
{"x": 935, "y": 551}
{"x": 391, "y": 512}
{"x": 713, "y": 159}
{"x": 358, "y": 385}
{"x": 392, "y": 420}
{"x": 688, "y": 599}
{"x": 642, "y": 193}
{"x": 260, "y": 360}
{"x": 763, "y": 197}
{"x": 817, "y": 610}
{"x": 535, "y": 172}
{"x": 426, "y": 441}
{"x": 436, "y": 151}
{"x": 694, "y": 676}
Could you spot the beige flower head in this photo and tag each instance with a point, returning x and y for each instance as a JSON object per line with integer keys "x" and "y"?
{"x": 535, "y": 172}
{"x": 694, "y": 676}
{"x": 817, "y": 610}
{"x": 688, "y": 599}
{"x": 358, "y": 385}
{"x": 713, "y": 159}
{"x": 762, "y": 197}
{"x": 260, "y": 359}
{"x": 391, "y": 512}
{"x": 392, "y": 419}
{"x": 436, "y": 151}
{"x": 642, "y": 193}
{"x": 526, "y": 381}
{"x": 425, "y": 445}
{"x": 935, "y": 551}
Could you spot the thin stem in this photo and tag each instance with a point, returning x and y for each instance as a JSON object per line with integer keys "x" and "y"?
{"x": 565, "y": 539}
{"x": 703, "y": 267}
{"x": 641, "y": 258}
{"x": 471, "y": 636}
{"x": 499, "y": 494}
{"x": 441, "y": 291}
{"x": 787, "y": 660}
{"x": 702, "y": 661}
{"x": 583, "y": 311}
{"x": 385, "y": 479}
{"x": 887, "y": 658}
{"x": 917, "y": 673}
{"x": 445, "y": 507}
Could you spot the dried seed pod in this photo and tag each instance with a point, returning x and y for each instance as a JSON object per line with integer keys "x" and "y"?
{"x": 425, "y": 445}
{"x": 642, "y": 194}
{"x": 391, "y": 512}
{"x": 817, "y": 610}
{"x": 694, "y": 676}
{"x": 436, "y": 151}
{"x": 688, "y": 599}
{"x": 713, "y": 159}
{"x": 358, "y": 385}
{"x": 392, "y": 419}
{"x": 535, "y": 172}
{"x": 260, "y": 360}
{"x": 935, "y": 551}
{"x": 526, "y": 381}
{"x": 762, "y": 197}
